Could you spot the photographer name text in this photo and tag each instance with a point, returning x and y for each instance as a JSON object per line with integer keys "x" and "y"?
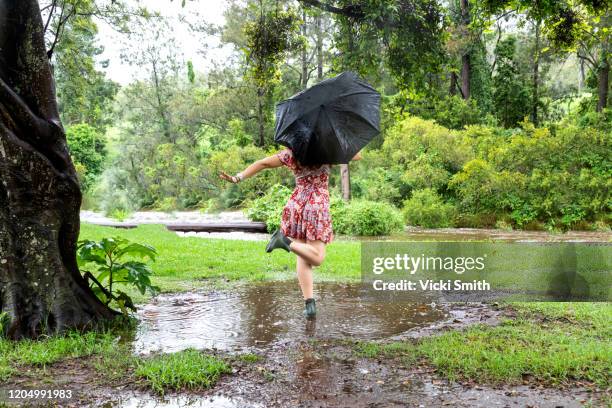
{"x": 431, "y": 285}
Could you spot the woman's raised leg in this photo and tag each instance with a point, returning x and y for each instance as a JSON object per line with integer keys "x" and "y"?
{"x": 312, "y": 252}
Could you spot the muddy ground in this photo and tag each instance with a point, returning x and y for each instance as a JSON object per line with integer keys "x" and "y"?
{"x": 317, "y": 370}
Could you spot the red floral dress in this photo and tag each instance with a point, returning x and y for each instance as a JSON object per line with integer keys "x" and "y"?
{"x": 306, "y": 215}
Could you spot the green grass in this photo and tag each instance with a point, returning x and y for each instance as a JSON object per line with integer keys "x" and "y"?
{"x": 188, "y": 369}
{"x": 52, "y": 349}
{"x": 249, "y": 358}
{"x": 186, "y": 263}
{"x": 46, "y": 351}
{"x": 551, "y": 342}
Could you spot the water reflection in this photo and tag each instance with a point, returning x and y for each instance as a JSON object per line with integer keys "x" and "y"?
{"x": 264, "y": 313}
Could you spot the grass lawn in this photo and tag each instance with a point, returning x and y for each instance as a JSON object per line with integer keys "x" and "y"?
{"x": 185, "y": 263}
{"x": 551, "y": 343}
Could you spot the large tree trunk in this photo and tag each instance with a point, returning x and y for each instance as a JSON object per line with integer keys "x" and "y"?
{"x": 603, "y": 84}
{"x": 41, "y": 288}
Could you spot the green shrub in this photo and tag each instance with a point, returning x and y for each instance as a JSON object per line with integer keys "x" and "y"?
{"x": 88, "y": 151}
{"x": 359, "y": 217}
{"x": 108, "y": 257}
{"x": 363, "y": 217}
{"x": 269, "y": 207}
{"x": 452, "y": 112}
{"x": 427, "y": 209}
{"x": 382, "y": 184}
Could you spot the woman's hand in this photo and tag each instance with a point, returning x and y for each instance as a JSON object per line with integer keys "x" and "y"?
{"x": 227, "y": 177}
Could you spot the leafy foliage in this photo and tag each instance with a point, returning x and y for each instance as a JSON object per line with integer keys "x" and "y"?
{"x": 427, "y": 209}
{"x": 368, "y": 218}
{"x": 88, "y": 151}
{"x": 108, "y": 256}
{"x": 510, "y": 96}
{"x": 267, "y": 40}
{"x": 269, "y": 207}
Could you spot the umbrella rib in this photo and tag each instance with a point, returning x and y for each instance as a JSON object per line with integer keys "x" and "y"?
{"x": 351, "y": 113}
{"x": 331, "y": 125}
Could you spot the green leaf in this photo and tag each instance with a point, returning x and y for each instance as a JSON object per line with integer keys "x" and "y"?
{"x": 143, "y": 251}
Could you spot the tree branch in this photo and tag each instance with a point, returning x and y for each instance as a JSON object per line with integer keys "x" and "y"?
{"x": 53, "y": 5}
{"x": 352, "y": 10}
{"x": 587, "y": 59}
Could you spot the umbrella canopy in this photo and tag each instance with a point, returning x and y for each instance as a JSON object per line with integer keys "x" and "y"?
{"x": 329, "y": 122}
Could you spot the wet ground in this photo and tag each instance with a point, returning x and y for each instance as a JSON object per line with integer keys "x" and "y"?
{"x": 312, "y": 363}
{"x": 257, "y": 315}
{"x": 320, "y": 369}
{"x": 303, "y": 363}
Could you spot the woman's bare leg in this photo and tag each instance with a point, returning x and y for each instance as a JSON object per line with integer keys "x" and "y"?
{"x": 313, "y": 252}
{"x": 304, "y": 274}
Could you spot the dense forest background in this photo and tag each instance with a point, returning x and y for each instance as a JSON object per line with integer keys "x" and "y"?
{"x": 495, "y": 113}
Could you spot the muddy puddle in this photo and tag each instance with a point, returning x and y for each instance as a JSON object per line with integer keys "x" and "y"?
{"x": 481, "y": 234}
{"x": 176, "y": 401}
{"x": 261, "y": 314}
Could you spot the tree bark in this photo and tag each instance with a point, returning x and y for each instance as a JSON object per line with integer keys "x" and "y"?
{"x": 536, "y": 75}
{"x": 345, "y": 181}
{"x": 261, "y": 117}
{"x": 304, "y": 53}
{"x": 319, "y": 48}
{"x": 466, "y": 66}
{"x": 582, "y": 76}
{"x": 603, "y": 83}
{"x": 41, "y": 288}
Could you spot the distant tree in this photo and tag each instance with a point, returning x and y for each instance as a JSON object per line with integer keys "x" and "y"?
{"x": 510, "y": 96}
{"x": 567, "y": 24}
{"x": 272, "y": 34}
{"x": 151, "y": 48}
{"x": 84, "y": 94}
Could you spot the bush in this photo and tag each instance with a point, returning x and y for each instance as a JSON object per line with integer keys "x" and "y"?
{"x": 360, "y": 217}
{"x": 363, "y": 217}
{"x": 88, "y": 151}
{"x": 452, "y": 112}
{"x": 427, "y": 209}
{"x": 269, "y": 207}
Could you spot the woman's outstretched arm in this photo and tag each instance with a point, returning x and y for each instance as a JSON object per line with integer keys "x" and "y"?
{"x": 265, "y": 163}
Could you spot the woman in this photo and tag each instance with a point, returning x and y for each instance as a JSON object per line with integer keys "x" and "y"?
{"x": 306, "y": 225}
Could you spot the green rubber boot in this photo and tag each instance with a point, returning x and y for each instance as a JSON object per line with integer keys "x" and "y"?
{"x": 278, "y": 240}
{"x": 310, "y": 309}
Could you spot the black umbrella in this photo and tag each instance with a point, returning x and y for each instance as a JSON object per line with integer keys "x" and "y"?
{"x": 329, "y": 122}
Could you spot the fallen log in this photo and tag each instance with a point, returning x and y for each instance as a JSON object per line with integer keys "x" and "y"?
{"x": 218, "y": 227}
{"x": 113, "y": 224}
